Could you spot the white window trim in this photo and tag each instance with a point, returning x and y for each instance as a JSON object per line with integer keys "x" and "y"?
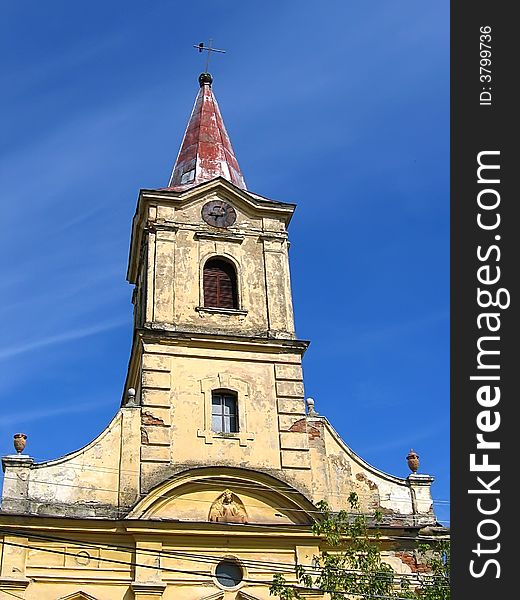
{"x": 225, "y": 381}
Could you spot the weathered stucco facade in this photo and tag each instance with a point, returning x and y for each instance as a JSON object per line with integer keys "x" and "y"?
{"x": 161, "y": 497}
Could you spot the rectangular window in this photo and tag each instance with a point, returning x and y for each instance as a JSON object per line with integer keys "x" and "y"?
{"x": 224, "y": 413}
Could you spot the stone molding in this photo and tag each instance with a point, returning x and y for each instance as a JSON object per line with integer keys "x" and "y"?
{"x": 17, "y": 461}
{"x": 146, "y": 590}
{"x": 220, "y": 311}
{"x": 14, "y": 583}
{"x": 224, "y": 237}
{"x": 241, "y": 388}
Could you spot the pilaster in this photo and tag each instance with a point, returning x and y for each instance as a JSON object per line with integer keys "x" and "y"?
{"x": 129, "y": 473}
{"x": 16, "y": 482}
{"x": 13, "y": 579}
{"x": 147, "y": 584}
{"x": 422, "y": 503}
{"x": 294, "y": 444}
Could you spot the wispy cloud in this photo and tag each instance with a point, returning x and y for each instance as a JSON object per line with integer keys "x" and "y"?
{"x": 38, "y": 415}
{"x": 402, "y": 442}
{"x": 67, "y": 336}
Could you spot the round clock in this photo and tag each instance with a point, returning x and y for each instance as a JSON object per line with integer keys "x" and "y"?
{"x": 218, "y": 213}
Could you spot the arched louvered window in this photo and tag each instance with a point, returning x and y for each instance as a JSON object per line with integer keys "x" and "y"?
{"x": 220, "y": 284}
{"x": 224, "y": 411}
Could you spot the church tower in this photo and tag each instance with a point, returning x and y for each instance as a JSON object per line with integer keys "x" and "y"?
{"x": 215, "y": 361}
{"x": 211, "y": 470}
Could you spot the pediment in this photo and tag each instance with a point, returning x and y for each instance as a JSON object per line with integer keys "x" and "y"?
{"x": 249, "y": 206}
{"x": 232, "y": 497}
{"x": 219, "y": 188}
{"x": 248, "y": 215}
{"x": 228, "y": 189}
{"x": 78, "y": 596}
{"x": 215, "y": 596}
{"x": 240, "y": 595}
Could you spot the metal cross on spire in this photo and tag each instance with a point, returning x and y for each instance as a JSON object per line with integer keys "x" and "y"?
{"x": 209, "y": 49}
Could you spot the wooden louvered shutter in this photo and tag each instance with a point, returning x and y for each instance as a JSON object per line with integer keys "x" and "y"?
{"x": 210, "y": 286}
{"x": 220, "y": 288}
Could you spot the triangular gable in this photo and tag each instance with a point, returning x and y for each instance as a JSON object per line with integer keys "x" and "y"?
{"x": 215, "y": 596}
{"x": 245, "y": 596}
{"x": 79, "y": 595}
{"x": 240, "y": 595}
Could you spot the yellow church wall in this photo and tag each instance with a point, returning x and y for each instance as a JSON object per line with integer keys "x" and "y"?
{"x": 158, "y": 560}
{"x": 189, "y": 213}
{"x": 346, "y": 472}
{"x": 278, "y": 292}
{"x": 180, "y": 301}
{"x": 179, "y": 241}
{"x": 76, "y": 477}
{"x": 199, "y": 501}
{"x": 177, "y": 381}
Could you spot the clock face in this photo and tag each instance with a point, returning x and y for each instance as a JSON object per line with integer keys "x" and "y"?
{"x": 219, "y": 213}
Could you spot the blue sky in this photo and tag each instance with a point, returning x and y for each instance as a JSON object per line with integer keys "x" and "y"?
{"x": 341, "y": 107}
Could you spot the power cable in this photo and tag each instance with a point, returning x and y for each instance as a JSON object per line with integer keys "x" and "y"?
{"x": 209, "y": 480}
{"x": 188, "y": 572}
{"x": 235, "y": 486}
{"x": 175, "y": 553}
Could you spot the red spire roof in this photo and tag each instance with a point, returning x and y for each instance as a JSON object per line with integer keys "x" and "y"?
{"x": 206, "y": 150}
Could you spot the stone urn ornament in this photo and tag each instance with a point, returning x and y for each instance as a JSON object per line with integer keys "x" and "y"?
{"x": 19, "y": 441}
{"x": 413, "y": 461}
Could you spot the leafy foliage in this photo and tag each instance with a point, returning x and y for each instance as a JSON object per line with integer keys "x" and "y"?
{"x": 357, "y": 570}
{"x": 437, "y": 557}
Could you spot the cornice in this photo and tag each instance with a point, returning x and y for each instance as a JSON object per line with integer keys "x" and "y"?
{"x": 267, "y": 344}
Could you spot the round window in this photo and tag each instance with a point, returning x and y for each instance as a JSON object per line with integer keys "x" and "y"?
{"x": 228, "y": 573}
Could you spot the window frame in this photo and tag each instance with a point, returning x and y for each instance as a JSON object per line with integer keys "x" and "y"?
{"x": 225, "y": 272}
{"x": 229, "y": 561}
{"x": 235, "y": 283}
{"x": 241, "y": 387}
{"x": 232, "y": 417}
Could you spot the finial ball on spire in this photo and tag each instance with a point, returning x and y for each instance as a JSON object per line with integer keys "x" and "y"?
{"x": 205, "y": 78}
